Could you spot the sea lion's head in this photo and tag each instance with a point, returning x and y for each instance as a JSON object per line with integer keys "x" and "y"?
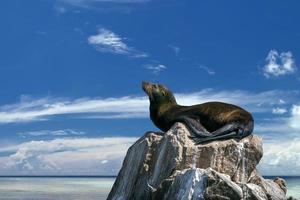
{"x": 158, "y": 94}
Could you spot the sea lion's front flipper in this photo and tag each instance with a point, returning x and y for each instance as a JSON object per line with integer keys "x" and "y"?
{"x": 197, "y": 129}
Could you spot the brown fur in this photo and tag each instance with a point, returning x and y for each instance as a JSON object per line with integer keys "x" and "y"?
{"x": 164, "y": 110}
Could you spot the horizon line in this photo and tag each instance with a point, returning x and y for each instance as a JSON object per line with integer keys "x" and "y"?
{"x": 108, "y": 176}
{"x": 60, "y": 176}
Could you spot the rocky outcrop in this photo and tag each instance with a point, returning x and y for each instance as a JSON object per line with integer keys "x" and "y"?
{"x": 170, "y": 166}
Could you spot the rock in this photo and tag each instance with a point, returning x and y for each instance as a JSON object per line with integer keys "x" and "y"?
{"x": 281, "y": 183}
{"x": 186, "y": 184}
{"x": 132, "y": 181}
{"x": 199, "y": 184}
{"x": 170, "y": 166}
{"x": 220, "y": 186}
{"x": 273, "y": 191}
{"x": 252, "y": 191}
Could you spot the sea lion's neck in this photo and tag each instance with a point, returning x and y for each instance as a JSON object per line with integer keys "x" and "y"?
{"x": 158, "y": 109}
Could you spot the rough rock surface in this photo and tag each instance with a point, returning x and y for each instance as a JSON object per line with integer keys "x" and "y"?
{"x": 170, "y": 166}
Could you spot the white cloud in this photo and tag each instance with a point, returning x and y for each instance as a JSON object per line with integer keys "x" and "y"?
{"x": 281, "y": 144}
{"x": 77, "y": 156}
{"x": 286, "y": 127}
{"x": 254, "y": 102}
{"x": 108, "y": 42}
{"x": 279, "y": 64}
{"x": 117, "y": 115}
{"x": 135, "y": 107}
{"x": 281, "y": 101}
{"x": 104, "y": 156}
{"x": 279, "y": 111}
{"x": 155, "y": 68}
{"x": 104, "y": 161}
{"x": 281, "y": 158}
{"x": 63, "y": 132}
{"x": 295, "y": 118}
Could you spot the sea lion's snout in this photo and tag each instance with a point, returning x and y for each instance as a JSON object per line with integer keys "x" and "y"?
{"x": 150, "y": 89}
{"x": 146, "y": 86}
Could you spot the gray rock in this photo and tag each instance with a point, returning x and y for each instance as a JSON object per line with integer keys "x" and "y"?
{"x": 132, "y": 181}
{"x": 281, "y": 183}
{"x": 272, "y": 189}
{"x": 186, "y": 184}
{"x": 253, "y": 192}
{"x": 220, "y": 186}
{"x": 170, "y": 166}
{"x": 206, "y": 184}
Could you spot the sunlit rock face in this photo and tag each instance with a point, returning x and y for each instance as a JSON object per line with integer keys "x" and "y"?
{"x": 170, "y": 166}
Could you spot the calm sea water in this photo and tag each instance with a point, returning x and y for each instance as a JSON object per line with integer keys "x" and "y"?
{"x": 294, "y": 187}
{"x": 51, "y": 188}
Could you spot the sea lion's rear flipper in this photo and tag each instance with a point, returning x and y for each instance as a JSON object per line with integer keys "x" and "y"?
{"x": 228, "y": 128}
{"x": 200, "y": 135}
{"x": 229, "y": 131}
{"x": 220, "y": 137}
{"x": 197, "y": 129}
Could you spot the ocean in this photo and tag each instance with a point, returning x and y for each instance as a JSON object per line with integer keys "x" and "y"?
{"x": 55, "y": 188}
{"x": 76, "y": 188}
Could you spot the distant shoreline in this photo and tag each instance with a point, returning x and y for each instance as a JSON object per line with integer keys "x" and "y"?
{"x": 56, "y": 176}
{"x": 284, "y": 177}
{"x": 102, "y": 176}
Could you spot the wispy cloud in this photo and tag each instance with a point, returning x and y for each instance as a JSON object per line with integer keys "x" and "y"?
{"x": 134, "y": 106}
{"x": 40, "y": 109}
{"x": 85, "y": 3}
{"x": 60, "y": 9}
{"x": 155, "y": 68}
{"x": 63, "y": 132}
{"x": 210, "y": 71}
{"x": 108, "y": 42}
{"x": 279, "y": 110}
{"x": 176, "y": 49}
{"x": 101, "y": 156}
{"x": 101, "y": 5}
{"x": 279, "y": 64}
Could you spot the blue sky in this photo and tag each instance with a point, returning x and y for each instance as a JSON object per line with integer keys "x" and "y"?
{"x": 71, "y": 72}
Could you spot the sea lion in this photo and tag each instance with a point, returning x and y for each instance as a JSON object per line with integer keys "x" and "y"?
{"x": 207, "y": 121}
